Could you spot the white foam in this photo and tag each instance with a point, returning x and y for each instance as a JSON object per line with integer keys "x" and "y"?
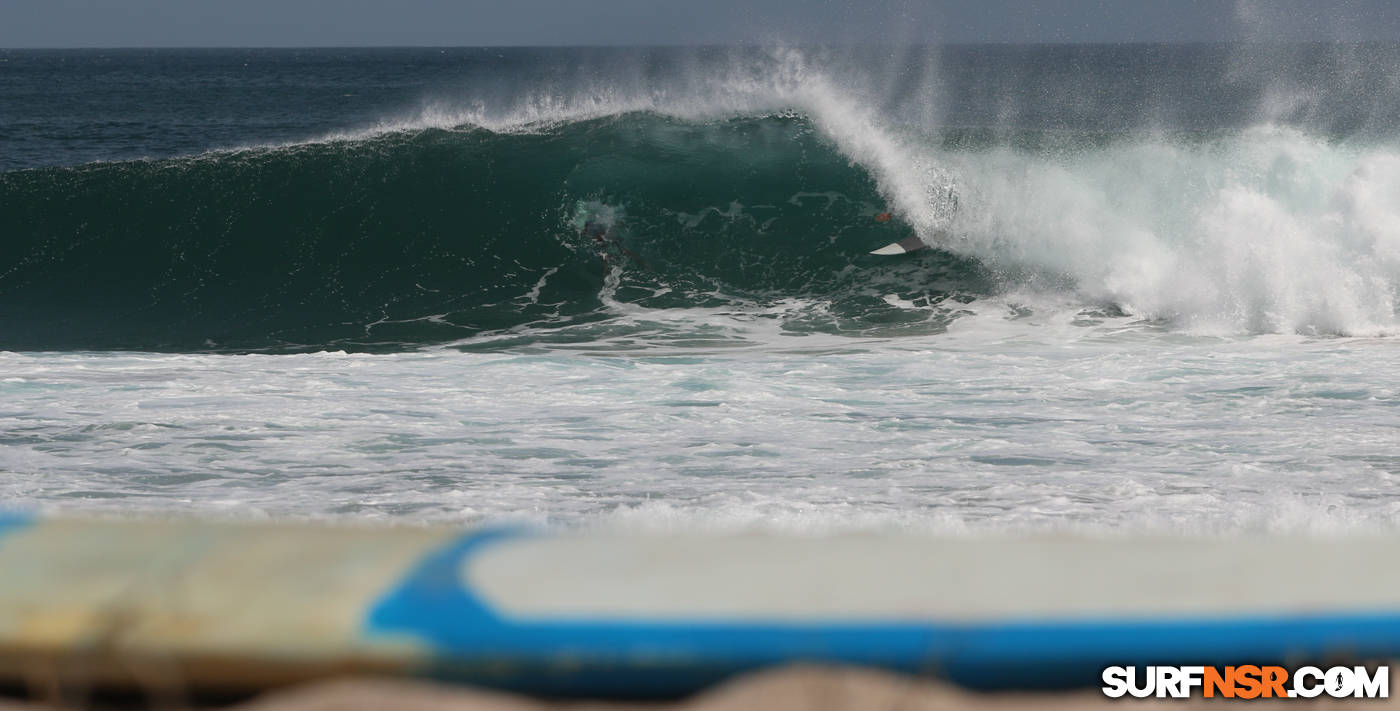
{"x": 992, "y": 429}
{"x": 1269, "y": 231}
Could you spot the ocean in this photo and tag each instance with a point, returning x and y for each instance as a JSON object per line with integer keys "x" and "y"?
{"x": 633, "y": 288}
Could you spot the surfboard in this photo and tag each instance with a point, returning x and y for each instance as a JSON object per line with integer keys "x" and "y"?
{"x": 909, "y": 244}
{"x": 221, "y": 606}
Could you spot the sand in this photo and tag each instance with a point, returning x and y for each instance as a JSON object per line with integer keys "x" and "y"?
{"x": 790, "y": 689}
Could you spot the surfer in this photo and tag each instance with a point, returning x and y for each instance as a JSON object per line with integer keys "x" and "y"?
{"x": 913, "y": 243}
{"x": 608, "y": 247}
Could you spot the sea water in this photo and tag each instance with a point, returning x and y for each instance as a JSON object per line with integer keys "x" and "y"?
{"x": 632, "y": 288}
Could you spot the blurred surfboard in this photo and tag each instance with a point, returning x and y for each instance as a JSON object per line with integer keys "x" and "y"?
{"x": 219, "y": 606}
{"x": 909, "y": 244}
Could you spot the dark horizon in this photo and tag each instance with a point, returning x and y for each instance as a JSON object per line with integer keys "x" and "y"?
{"x": 735, "y": 45}
{"x": 307, "y": 24}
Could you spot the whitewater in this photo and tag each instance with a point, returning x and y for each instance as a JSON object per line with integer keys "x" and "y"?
{"x": 1161, "y": 293}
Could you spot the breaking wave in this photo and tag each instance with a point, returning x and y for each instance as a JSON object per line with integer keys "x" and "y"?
{"x": 756, "y": 192}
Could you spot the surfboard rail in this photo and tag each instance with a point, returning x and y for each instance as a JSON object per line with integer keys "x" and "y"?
{"x": 912, "y": 243}
{"x": 253, "y": 605}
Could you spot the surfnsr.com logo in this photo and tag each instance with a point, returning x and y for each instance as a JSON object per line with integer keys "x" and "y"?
{"x": 1247, "y": 682}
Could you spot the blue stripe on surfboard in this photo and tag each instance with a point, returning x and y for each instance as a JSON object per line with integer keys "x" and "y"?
{"x": 471, "y": 642}
{"x": 13, "y": 521}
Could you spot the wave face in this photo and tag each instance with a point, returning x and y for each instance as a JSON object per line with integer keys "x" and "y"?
{"x": 434, "y": 235}
{"x": 1184, "y": 188}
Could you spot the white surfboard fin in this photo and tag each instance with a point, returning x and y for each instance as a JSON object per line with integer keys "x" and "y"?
{"x": 909, "y": 244}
